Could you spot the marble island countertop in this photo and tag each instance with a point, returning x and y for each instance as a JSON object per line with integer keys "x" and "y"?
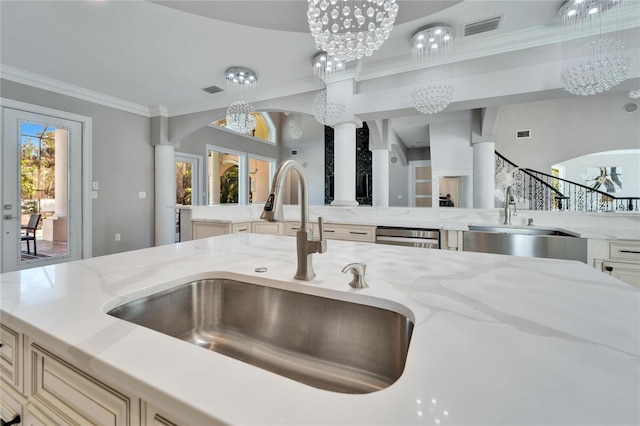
{"x": 613, "y": 226}
{"x": 497, "y": 339}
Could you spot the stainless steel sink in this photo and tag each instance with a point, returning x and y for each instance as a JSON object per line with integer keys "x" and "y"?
{"x": 519, "y": 230}
{"x": 525, "y": 241}
{"x": 326, "y": 343}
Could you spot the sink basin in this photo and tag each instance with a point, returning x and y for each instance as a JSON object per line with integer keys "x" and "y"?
{"x": 326, "y": 343}
{"x": 525, "y": 241}
{"x": 518, "y": 230}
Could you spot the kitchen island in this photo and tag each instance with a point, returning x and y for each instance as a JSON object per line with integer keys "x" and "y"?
{"x": 496, "y": 339}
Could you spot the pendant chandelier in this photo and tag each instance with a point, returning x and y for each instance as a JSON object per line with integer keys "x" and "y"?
{"x": 241, "y": 83}
{"x": 326, "y": 112}
{"x": 635, "y": 94}
{"x": 595, "y": 53}
{"x": 432, "y": 90}
{"x": 350, "y": 29}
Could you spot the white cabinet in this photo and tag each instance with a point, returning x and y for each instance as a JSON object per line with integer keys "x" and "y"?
{"x": 66, "y": 395}
{"x": 335, "y": 231}
{"x": 11, "y": 357}
{"x": 269, "y": 228}
{"x": 212, "y": 229}
{"x": 624, "y": 261}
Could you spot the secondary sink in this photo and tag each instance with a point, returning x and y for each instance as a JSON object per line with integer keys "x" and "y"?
{"x": 326, "y": 343}
{"x": 518, "y": 230}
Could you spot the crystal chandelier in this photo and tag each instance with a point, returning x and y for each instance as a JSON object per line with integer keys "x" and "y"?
{"x": 350, "y": 29}
{"x": 325, "y": 112}
{"x": 635, "y": 94}
{"x": 324, "y": 65}
{"x": 432, "y": 90}
{"x": 594, "y": 60}
{"x": 241, "y": 83}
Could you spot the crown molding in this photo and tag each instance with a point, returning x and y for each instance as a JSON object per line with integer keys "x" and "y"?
{"x": 24, "y": 77}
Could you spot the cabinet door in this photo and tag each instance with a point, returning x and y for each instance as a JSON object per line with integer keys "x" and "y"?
{"x": 60, "y": 391}
{"x": 268, "y": 228}
{"x": 11, "y": 403}
{"x": 624, "y": 271}
{"x": 11, "y": 356}
{"x": 207, "y": 229}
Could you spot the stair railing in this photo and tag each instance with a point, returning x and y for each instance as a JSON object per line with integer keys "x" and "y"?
{"x": 542, "y": 191}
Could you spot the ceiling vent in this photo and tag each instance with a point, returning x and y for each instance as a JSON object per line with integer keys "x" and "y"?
{"x": 483, "y": 26}
{"x": 213, "y": 89}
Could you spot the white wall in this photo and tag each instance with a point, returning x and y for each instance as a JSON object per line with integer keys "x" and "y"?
{"x": 567, "y": 128}
{"x": 452, "y": 155}
{"x": 310, "y": 147}
{"x": 627, "y": 160}
{"x": 122, "y": 165}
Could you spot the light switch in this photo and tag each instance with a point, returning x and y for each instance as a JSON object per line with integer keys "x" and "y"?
{"x": 142, "y": 194}
{"x": 94, "y": 194}
{"x": 94, "y": 185}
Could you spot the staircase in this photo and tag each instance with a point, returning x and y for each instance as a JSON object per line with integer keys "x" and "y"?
{"x": 542, "y": 191}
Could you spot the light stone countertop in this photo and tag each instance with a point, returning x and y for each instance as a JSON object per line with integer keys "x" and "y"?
{"x": 497, "y": 340}
{"x": 603, "y": 226}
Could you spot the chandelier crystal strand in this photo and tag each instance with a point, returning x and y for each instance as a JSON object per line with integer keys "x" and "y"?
{"x": 635, "y": 94}
{"x": 595, "y": 49}
{"x": 325, "y": 112}
{"x": 351, "y": 29}
{"x": 241, "y": 84}
{"x": 432, "y": 89}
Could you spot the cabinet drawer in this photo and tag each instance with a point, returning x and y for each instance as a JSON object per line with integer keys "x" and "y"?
{"x": 290, "y": 228}
{"x": 10, "y": 356}
{"x": 624, "y": 250}
{"x": 62, "y": 391}
{"x": 268, "y": 228}
{"x": 241, "y": 227}
{"x": 365, "y": 234}
{"x": 11, "y": 402}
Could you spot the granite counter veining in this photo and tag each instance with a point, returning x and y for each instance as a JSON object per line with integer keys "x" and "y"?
{"x": 497, "y": 339}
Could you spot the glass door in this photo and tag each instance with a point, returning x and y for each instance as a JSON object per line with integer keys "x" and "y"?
{"x": 40, "y": 178}
{"x": 420, "y": 182}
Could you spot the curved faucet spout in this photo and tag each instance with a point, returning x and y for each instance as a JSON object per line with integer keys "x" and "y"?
{"x": 273, "y": 207}
{"x": 272, "y": 212}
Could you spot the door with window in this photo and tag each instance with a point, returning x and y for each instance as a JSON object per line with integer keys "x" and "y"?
{"x": 41, "y": 190}
{"x": 420, "y": 184}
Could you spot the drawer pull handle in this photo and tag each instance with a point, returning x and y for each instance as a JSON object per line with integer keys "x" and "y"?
{"x": 630, "y": 251}
{"x": 608, "y": 268}
{"x": 358, "y": 233}
{"x": 328, "y": 230}
{"x": 13, "y": 421}
{"x": 242, "y": 230}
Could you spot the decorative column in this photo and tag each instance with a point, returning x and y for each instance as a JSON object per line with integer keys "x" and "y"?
{"x": 380, "y": 159}
{"x": 344, "y": 161}
{"x": 483, "y": 175}
{"x": 165, "y": 182}
{"x": 54, "y": 228}
{"x": 165, "y": 195}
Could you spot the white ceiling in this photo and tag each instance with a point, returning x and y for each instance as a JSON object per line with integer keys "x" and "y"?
{"x": 163, "y": 53}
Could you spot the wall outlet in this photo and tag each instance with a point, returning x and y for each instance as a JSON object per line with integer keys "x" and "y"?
{"x": 142, "y": 194}
{"x": 94, "y": 185}
{"x": 118, "y": 237}
{"x": 94, "y": 194}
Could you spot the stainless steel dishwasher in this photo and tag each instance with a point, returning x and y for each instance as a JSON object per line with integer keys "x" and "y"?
{"x": 410, "y": 237}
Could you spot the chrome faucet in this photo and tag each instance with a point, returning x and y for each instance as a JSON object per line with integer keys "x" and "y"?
{"x": 509, "y": 201}
{"x": 306, "y": 245}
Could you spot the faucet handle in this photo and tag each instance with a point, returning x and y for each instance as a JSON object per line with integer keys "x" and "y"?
{"x": 322, "y": 243}
{"x": 320, "y": 227}
{"x": 358, "y": 270}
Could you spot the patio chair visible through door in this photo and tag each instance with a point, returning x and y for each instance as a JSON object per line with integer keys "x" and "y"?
{"x": 30, "y": 233}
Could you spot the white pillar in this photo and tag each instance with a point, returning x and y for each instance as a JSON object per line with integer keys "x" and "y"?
{"x": 380, "y": 166}
{"x": 344, "y": 165}
{"x": 61, "y": 202}
{"x": 483, "y": 175}
{"x": 165, "y": 194}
